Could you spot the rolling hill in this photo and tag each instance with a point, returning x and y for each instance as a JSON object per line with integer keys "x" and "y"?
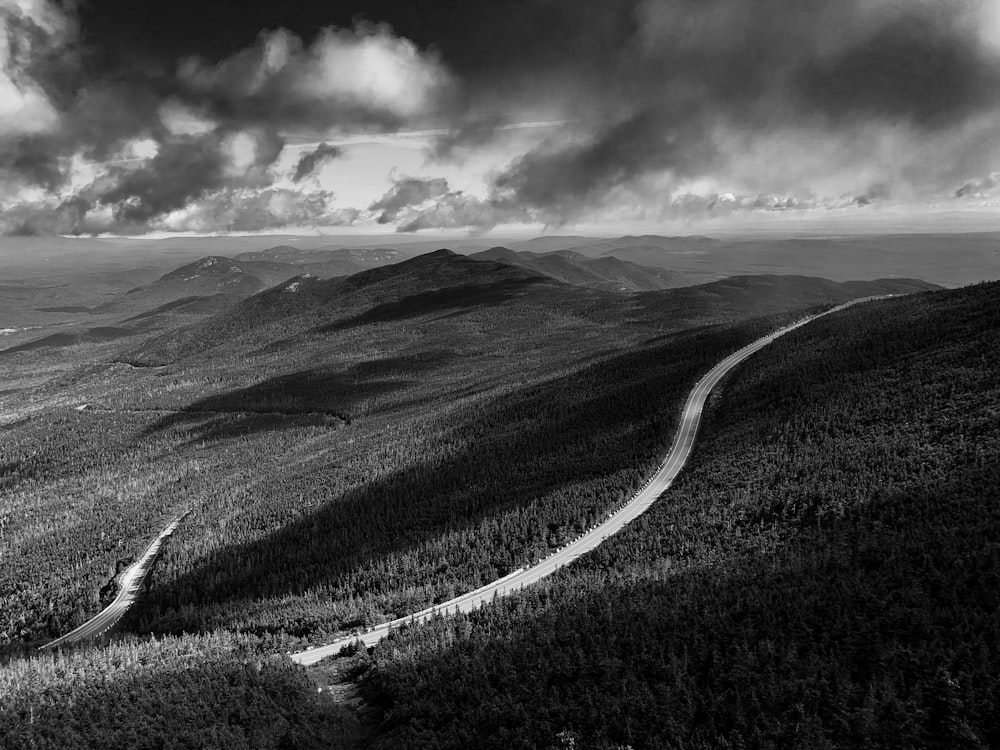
{"x": 822, "y": 575}
{"x": 345, "y": 388}
{"x": 607, "y": 273}
{"x": 826, "y": 559}
{"x": 946, "y": 259}
{"x": 213, "y": 274}
{"x": 324, "y": 262}
{"x": 442, "y": 284}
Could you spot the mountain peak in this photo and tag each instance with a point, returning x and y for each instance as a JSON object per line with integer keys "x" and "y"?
{"x": 210, "y": 265}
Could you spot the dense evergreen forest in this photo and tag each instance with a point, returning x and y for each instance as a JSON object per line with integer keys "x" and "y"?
{"x": 212, "y": 692}
{"x": 360, "y": 457}
{"x": 498, "y": 484}
{"x": 357, "y": 448}
{"x": 824, "y": 574}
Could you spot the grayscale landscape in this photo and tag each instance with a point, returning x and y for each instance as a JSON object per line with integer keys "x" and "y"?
{"x": 518, "y": 375}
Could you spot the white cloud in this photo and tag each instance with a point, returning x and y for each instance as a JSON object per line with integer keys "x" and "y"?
{"x": 378, "y": 70}
{"x": 240, "y": 150}
{"x": 25, "y": 108}
{"x": 179, "y": 119}
{"x": 342, "y": 76}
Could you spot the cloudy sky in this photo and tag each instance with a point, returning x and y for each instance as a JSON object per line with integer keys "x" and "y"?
{"x": 144, "y": 116}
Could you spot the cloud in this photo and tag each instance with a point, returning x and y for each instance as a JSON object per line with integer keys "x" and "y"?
{"x": 663, "y": 108}
{"x": 135, "y": 195}
{"x": 31, "y": 33}
{"x": 698, "y": 86}
{"x": 183, "y": 169}
{"x": 405, "y": 193}
{"x": 978, "y": 188}
{"x": 456, "y": 210}
{"x": 37, "y": 56}
{"x": 365, "y": 76}
{"x": 233, "y": 210}
{"x": 227, "y": 209}
{"x": 415, "y": 204}
{"x": 563, "y": 180}
{"x": 313, "y": 160}
{"x": 70, "y": 130}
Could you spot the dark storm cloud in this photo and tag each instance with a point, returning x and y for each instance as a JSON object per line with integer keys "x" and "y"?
{"x": 186, "y": 168}
{"x": 918, "y": 69}
{"x": 876, "y": 192}
{"x": 63, "y": 101}
{"x": 694, "y": 70}
{"x": 683, "y": 102}
{"x": 465, "y": 136}
{"x": 559, "y": 181}
{"x": 136, "y": 197}
{"x": 182, "y": 170}
{"x": 313, "y": 160}
{"x": 406, "y": 192}
{"x": 979, "y": 187}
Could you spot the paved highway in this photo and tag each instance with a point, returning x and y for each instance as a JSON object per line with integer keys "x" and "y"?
{"x": 131, "y": 582}
{"x": 615, "y": 522}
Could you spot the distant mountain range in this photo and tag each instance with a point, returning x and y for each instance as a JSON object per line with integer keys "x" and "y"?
{"x": 323, "y": 263}
{"x": 948, "y": 259}
{"x": 607, "y": 272}
{"x": 245, "y": 274}
{"x": 444, "y": 285}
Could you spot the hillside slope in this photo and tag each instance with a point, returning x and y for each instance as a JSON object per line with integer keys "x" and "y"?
{"x": 213, "y": 274}
{"x": 442, "y": 284}
{"x": 326, "y": 262}
{"x": 607, "y": 273}
{"x": 825, "y": 574}
{"x": 947, "y": 259}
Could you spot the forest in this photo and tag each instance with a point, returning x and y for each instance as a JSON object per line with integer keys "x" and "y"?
{"x": 393, "y": 439}
{"x": 824, "y": 574}
{"x": 366, "y": 458}
{"x": 216, "y": 691}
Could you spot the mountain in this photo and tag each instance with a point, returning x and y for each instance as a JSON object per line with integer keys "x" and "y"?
{"x": 443, "y": 285}
{"x": 763, "y": 294}
{"x": 198, "y": 306}
{"x": 946, "y": 259}
{"x": 822, "y": 574}
{"x": 97, "y": 334}
{"x": 608, "y": 273}
{"x": 324, "y": 262}
{"x": 436, "y": 283}
{"x": 552, "y": 243}
{"x": 213, "y": 274}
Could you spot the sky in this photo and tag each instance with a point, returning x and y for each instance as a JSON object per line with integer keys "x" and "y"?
{"x": 146, "y": 117}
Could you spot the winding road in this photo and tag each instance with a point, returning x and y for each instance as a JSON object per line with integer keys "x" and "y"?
{"x": 615, "y": 522}
{"x": 130, "y": 583}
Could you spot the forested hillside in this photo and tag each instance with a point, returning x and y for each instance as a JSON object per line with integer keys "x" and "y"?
{"x": 218, "y": 691}
{"x": 824, "y": 574}
{"x": 607, "y": 272}
{"x": 353, "y": 449}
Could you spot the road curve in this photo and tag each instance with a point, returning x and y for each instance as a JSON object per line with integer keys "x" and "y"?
{"x": 615, "y": 522}
{"x": 131, "y": 582}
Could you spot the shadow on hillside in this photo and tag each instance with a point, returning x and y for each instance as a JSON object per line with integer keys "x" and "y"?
{"x": 319, "y": 397}
{"x": 612, "y": 418}
{"x": 877, "y": 631}
{"x": 453, "y": 298}
{"x": 61, "y": 340}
